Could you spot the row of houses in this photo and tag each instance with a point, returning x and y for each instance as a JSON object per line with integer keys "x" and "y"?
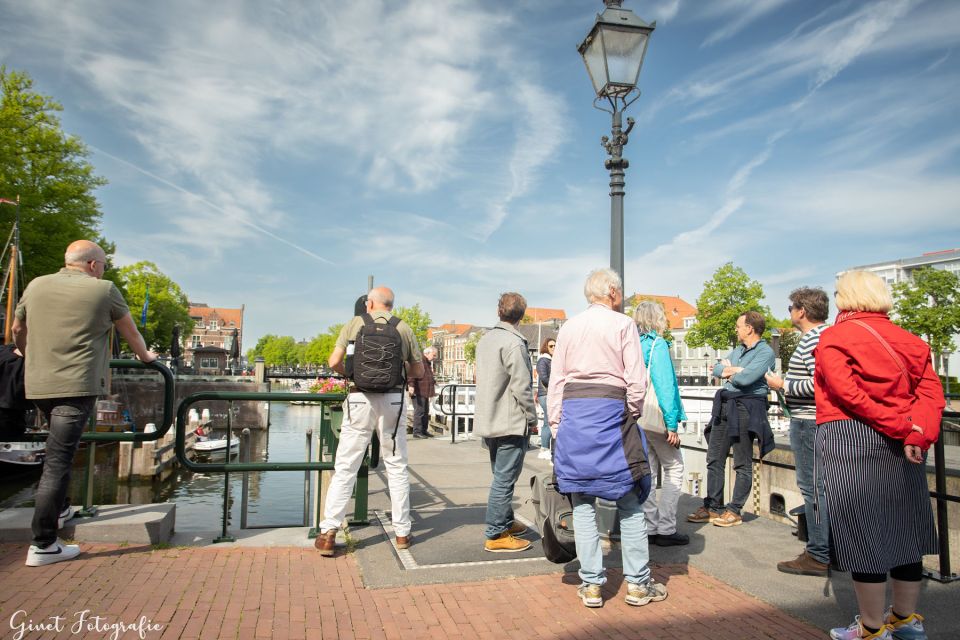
{"x": 539, "y": 324}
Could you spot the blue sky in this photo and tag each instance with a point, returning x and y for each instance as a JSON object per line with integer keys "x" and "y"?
{"x": 275, "y": 154}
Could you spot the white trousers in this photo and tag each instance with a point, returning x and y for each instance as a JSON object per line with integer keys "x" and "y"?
{"x": 662, "y": 515}
{"x": 366, "y": 412}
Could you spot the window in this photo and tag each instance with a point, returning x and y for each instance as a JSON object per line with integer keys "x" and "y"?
{"x": 195, "y": 342}
{"x": 209, "y": 363}
{"x": 213, "y": 325}
{"x": 688, "y": 322}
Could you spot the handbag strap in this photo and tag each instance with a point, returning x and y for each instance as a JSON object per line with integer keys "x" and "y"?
{"x": 650, "y": 360}
{"x": 893, "y": 354}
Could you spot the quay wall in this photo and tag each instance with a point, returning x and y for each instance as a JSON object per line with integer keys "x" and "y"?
{"x": 142, "y": 396}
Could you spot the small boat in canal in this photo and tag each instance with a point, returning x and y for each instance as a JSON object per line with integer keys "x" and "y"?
{"x": 21, "y": 455}
{"x": 205, "y": 444}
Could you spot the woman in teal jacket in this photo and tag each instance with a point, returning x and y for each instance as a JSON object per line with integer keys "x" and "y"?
{"x": 664, "y": 448}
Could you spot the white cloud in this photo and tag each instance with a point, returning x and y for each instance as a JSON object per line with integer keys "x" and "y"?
{"x": 733, "y": 16}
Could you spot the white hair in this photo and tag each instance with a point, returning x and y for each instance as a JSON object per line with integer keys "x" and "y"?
{"x": 599, "y": 282}
{"x": 649, "y": 316}
{"x": 429, "y": 350}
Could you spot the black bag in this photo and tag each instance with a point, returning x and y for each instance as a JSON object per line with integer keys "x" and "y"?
{"x": 554, "y": 519}
{"x": 378, "y": 356}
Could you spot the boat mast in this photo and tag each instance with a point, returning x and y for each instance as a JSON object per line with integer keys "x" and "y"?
{"x": 12, "y": 277}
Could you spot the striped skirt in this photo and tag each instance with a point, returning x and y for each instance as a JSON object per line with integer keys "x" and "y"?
{"x": 878, "y": 501}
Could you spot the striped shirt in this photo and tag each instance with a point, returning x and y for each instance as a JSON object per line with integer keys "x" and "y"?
{"x": 798, "y": 384}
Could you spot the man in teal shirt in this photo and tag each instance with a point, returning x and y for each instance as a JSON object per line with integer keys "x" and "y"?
{"x": 746, "y": 389}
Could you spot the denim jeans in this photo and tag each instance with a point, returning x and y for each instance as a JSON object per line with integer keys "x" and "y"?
{"x": 802, "y": 436}
{"x": 506, "y": 462}
{"x": 545, "y": 434}
{"x": 717, "y": 452}
{"x": 67, "y": 418}
{"x": 633, "y": 539}
{"x": 421, "y": 414}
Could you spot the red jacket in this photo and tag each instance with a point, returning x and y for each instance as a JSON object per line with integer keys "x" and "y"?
{"x": 856, "y": 378}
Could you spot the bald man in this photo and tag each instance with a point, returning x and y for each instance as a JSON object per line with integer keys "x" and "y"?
{"x": 365, "y": 411}
{"x": 62, "y": 326}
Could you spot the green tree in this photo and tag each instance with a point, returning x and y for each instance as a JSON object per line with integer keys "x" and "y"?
{"x": 280, "y": 351}
{"x": 257, "y": 350}
{"x": 725, "y": 297}
{"x": 470, "y": 348}
{"x": 49, "y": 170}
{"x": 417, "y": 318}
{"x": 321, "y": 346}
{"x": 929, "y": 307}
{"x": 168, "y": 304}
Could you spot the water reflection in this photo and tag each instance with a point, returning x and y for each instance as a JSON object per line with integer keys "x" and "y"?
{"x": 275, "y": 497}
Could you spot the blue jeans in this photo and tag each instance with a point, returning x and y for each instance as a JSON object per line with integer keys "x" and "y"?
{"x": 506, "y": 462}
{"x": 67, "y": 418}
{"x": 717, "y": 451}
{"x": 633, "y": 539}
{"x": 545, "y": 427}
{"x": 802, "y": 436}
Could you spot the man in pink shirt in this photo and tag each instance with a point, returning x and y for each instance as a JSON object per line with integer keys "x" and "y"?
{"x": 597, "y": 385}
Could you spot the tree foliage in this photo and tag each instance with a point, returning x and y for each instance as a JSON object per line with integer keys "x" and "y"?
{"x": 287, "y": 352}
{"x": 470, "y": 347}
{"x": 417, "y": 318}
{"x": 929, "y": 307}
{"x": 168, "y": 304}
{"x": 726, "y": 296}
{"x": 49, "y": 170}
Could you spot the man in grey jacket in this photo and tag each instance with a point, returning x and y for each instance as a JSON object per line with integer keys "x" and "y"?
{"x": 504, "y": 413}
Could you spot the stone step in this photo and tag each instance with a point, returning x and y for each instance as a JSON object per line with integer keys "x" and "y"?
{"x": 118, "y": 523}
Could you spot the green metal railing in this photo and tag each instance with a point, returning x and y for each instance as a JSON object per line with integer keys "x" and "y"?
{"x": 328, "y": 441}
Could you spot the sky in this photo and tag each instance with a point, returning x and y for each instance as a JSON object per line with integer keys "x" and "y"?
{"x": 276, "y": 154}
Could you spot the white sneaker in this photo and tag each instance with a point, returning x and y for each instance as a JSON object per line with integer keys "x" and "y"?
{"x": 544, "y": 454}
{"x": 65, "y": 515}
{"x": 57, "y": 552}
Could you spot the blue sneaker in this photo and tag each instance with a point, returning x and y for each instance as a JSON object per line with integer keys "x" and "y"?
{"x": 910, "y": 628}
{"x": 856, "y": 632}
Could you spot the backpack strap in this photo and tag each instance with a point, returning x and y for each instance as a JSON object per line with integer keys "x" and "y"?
{"x": 367, "y": 319}
{"x": 394, "y": 321}
{"x": 889, "y": 349}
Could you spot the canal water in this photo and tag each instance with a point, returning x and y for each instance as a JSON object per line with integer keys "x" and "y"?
{"x": 275, "y": 497}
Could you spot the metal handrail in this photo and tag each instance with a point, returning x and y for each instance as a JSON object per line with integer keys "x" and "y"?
{"x": 453, "y": 395}
{"x": 322, "y": 398}
{"x": 939, "y": 494}
{"x": 169, "y": 396}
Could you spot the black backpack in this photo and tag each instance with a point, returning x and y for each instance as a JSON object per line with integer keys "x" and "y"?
{"x": 378, "y": 356}
{"x": 554, "y": 518}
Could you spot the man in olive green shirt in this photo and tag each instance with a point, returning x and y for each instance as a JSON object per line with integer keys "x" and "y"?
{"x": 62, "y": 326}
{"x": 364, "y": 412}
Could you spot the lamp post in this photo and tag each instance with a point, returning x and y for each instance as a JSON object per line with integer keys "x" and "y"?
{"x": 613, "y": 52}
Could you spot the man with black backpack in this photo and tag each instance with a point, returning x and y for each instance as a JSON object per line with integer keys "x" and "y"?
{"x": 380, "y": 350}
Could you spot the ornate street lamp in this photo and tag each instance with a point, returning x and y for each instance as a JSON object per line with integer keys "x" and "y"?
{"x": 613, "y": 52}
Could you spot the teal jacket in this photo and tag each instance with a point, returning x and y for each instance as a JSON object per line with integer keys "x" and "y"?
{"x": 664, "y": 379}
{"x": 756, "y": 361}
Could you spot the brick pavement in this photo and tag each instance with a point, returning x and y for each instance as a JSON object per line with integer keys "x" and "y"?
{"x": 202, "y": 592}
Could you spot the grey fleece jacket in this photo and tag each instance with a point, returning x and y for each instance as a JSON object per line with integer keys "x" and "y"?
{"x": 504, "y": 404}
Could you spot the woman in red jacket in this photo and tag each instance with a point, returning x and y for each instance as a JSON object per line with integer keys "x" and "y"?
{"x": 879, "y": 405}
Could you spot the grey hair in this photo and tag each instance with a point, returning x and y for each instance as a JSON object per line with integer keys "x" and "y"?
{"x": 599, "y": 282}
{"x": 80, "y": 256}
{"x": 380, "y": 296}
{"x": 429, "y": 350}
{"x": 649, "y": 316}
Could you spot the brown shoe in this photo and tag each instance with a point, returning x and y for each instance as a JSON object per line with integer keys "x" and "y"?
{"x": 804, "y": 565}
{"x": 728, "y": 519}
{"x": 517, "y": 528}
{"x": 403, "y": 542}
{"x": 506, "y": 543}
{"x": 701, "y": 515}
{"x": 326, "y": 543}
